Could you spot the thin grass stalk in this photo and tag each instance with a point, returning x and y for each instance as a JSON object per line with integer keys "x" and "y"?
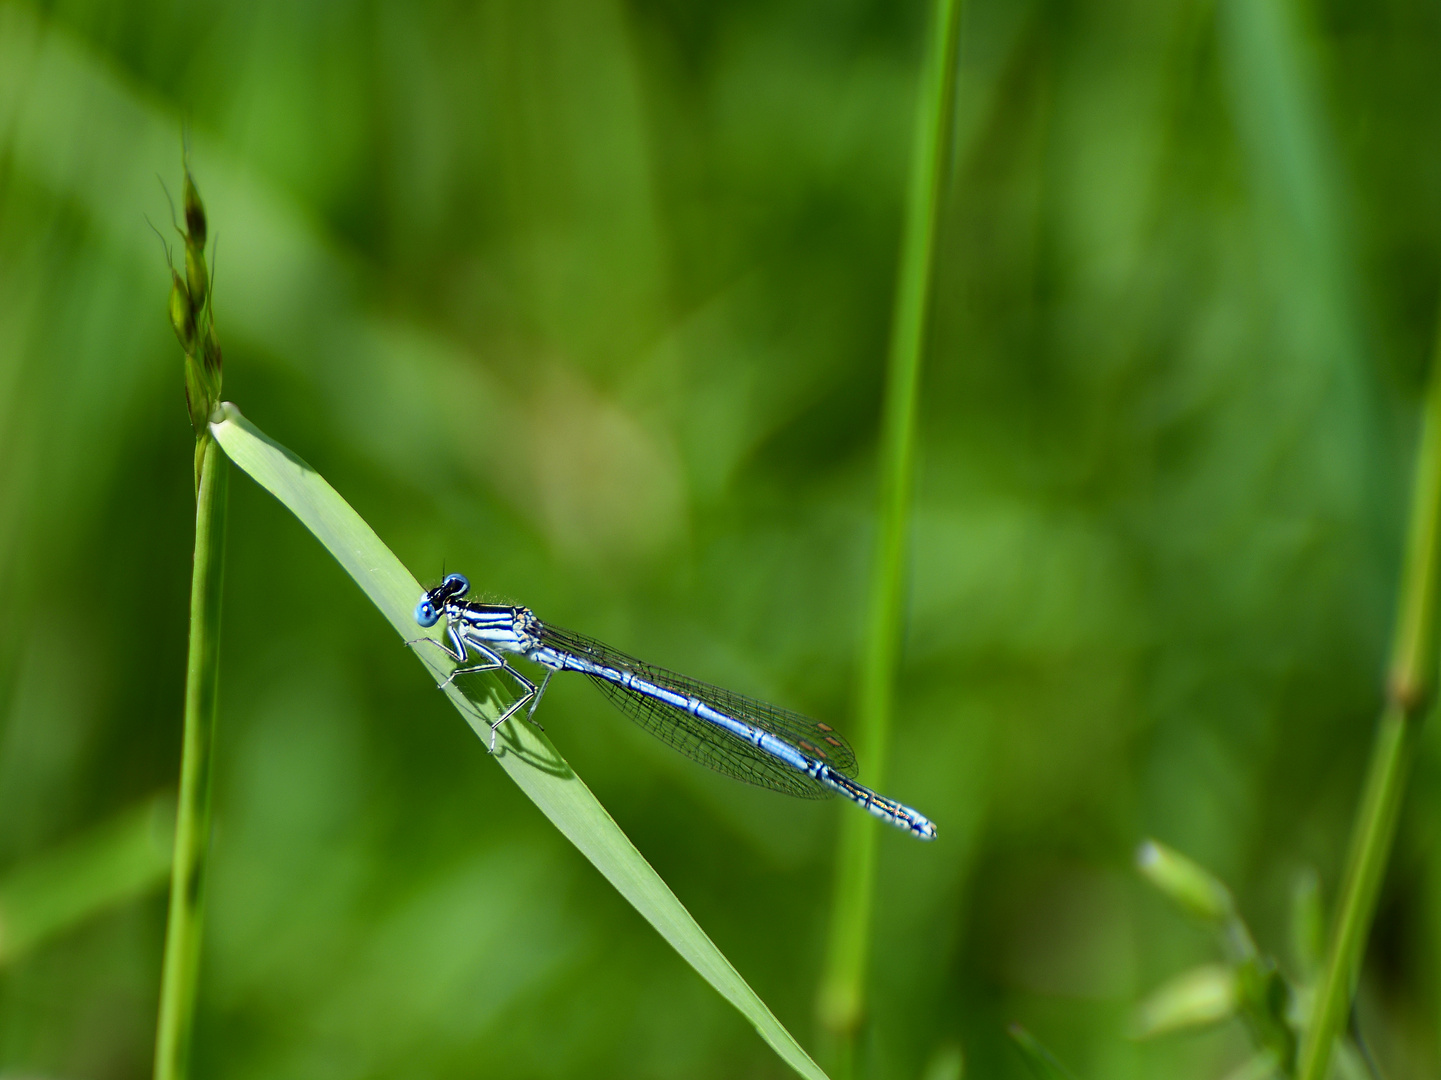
{"x": 192, "y": 824}
{"x": 840, "y": 1001}
{"x": 192, "y": 315}
{"x": 1408, "y": 697}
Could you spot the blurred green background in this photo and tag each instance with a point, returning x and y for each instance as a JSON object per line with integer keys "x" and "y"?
{"x": 589, "y": 299}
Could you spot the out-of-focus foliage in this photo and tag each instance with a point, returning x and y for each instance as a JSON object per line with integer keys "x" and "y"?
{"x": 123, "y": 858}
{"x": 589, "y": 300}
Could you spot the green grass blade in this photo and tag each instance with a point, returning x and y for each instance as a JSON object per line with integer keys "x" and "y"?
{"x": 1409, "y": 685}
{"x": 1043, "y": 1063}
{"x": 840, "y": 998}
{"x": 116, "y": 861}
{"x": 525, "y": 754}
{"x": 183, "y": 928}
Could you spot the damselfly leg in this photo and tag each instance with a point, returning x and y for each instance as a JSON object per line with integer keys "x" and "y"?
{"x": 494, "y": 662}
{"x": 530, "y": 715}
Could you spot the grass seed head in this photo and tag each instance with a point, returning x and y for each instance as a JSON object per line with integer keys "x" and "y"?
{"x": 182, "y": 315}
{"x": 195, "y": 225}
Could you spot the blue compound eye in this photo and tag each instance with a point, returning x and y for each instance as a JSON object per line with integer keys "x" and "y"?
{"x": 455, "y": 585}
{"x": 425, "y": 613}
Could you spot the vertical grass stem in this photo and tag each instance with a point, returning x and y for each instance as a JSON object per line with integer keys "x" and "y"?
{"x": 1408, "y": 696}
{"x": 840, "y": 1001}
{"x": 192, "y": 825}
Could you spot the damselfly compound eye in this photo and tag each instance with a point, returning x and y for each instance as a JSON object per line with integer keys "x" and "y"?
{"x": 425, "y": 613}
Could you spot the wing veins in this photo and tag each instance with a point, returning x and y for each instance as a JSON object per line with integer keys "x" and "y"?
{"x": 704, "y": 742}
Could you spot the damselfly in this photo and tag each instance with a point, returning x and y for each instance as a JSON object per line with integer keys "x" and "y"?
{"x": 736, "y": 735}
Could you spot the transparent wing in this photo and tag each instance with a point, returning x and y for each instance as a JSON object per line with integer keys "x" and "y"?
{"x": 701, "y": 741}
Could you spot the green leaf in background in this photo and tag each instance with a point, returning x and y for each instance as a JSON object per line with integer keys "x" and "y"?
{"x": 116, "y": 861}
{"x": 526, "y": 755}
{"x": 1043, "y": 1063}
{"x": 1196, "y": 998}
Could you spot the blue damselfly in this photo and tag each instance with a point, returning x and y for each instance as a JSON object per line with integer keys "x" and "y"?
{"x": 736, "y": 735}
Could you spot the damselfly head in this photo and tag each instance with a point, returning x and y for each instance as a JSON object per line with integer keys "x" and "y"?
{"x": 427, "y": 612}
{"x": 452, "y": 588}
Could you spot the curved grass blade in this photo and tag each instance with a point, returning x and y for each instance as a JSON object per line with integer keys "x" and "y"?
{"x": 528, "y": 756}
